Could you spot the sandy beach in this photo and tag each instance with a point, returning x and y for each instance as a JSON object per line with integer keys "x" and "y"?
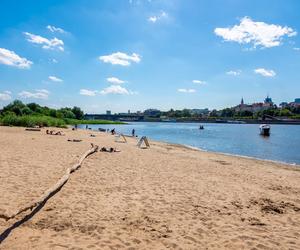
{"x": 164, "y": 197}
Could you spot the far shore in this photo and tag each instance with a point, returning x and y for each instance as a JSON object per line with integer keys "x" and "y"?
{"x": 222, "y": 121}
{"x": 167, "y": 196}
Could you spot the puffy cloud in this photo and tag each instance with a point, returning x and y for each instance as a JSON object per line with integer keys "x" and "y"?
{"x": 234, "y": 72}
{"x": 155, "y": 18}
{"x": 186, "y": 90}
{"x": 55, "y": 29}
{"x": 114, "y": 80}
{"x": 10, "y": 58}
{"x": 55, "y": 79}
{"x": 257, "y": 33}
{"x": 46, "y": 43}
{"x": 115, "y": 89}
{"x": 87, "y": 92}
{"x": 120, "y": 58}
{"x": 265, "y": 72}
{"x": 5, "y": 96}
{"x": 199, "y": 82}
{"x": 298, "y": 49}
{"x": 37, "y": 94}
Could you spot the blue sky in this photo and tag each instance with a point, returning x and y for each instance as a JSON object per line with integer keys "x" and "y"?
{"x": 138, "y": 54}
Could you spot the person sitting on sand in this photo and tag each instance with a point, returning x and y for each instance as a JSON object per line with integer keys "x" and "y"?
{"x": 58, "y": 133}
{"x": 113, "y": 131}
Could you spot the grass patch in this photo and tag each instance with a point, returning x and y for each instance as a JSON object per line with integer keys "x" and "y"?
{"x": 75, "y": 121}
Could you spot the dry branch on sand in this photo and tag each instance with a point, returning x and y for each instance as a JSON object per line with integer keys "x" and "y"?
{"x": 52, "y": 189}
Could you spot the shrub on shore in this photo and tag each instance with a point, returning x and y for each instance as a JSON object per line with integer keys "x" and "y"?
{"x": 12, "y": 119}
{"x": 32, "y": 114}
{"x": 31, "y": 121}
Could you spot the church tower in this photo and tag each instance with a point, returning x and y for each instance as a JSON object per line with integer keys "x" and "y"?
{"x": 242, "y": 101}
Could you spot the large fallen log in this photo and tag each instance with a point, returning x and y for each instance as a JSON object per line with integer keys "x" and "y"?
{"x": 52, "y": 189}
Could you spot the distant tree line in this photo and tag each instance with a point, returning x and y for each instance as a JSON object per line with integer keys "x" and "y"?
{"x": 226, "y": 113}
{"x": 275, "y": 111}
{"x": 18, "y": 108}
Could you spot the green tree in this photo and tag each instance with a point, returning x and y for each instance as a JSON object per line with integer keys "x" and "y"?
{"x": 78, "y": 113}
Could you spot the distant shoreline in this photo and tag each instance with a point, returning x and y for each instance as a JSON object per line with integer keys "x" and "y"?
{"x": 290, "y": 122}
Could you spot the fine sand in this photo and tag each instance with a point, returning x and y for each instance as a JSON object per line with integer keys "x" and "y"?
{"x": 168, "y": 196}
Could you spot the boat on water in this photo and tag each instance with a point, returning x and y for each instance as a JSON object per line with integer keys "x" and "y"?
{"x": 265, "y": 129}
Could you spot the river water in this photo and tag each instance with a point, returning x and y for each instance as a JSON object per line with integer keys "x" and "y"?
{"x": 240, "y": 139}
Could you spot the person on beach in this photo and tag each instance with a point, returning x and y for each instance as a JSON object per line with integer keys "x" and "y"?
{"x": 113, "y": 131}
{"x": 109, "y": 150}
{"x": 133, "y": 132}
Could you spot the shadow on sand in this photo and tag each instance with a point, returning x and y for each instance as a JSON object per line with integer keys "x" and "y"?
{"x": 18, "y": 223}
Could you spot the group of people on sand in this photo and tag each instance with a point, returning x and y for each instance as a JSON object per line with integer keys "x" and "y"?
{"x": 52, "y": 132}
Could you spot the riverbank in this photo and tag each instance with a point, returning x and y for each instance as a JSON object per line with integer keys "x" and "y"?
{"x": 168, "y": 196}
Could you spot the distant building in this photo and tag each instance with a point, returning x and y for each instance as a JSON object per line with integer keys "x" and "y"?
{"x": 255, "y": 107}
{"x": 108, "y": 112}
{"x": 128, "y": 111}
{"x": 295, "y": 104}
{"x": 283, "y": 105}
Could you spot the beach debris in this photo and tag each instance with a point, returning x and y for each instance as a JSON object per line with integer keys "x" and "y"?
{"x": 32, "y": 129}
{"x": 92, "y": 135}
{"x": 52, "y": 190}
{"x": 120, "y": 138}
{"x": 143, "y": 140}
{"x": 74, "y": 140}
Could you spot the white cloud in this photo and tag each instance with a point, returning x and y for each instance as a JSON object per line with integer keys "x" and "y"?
{"x": 121, "y": 58}
{"x": 37, "y": 94}
{"x": 114, "y": 80}
{"x": 88, "y": 92}
{"x": 298, "y": 49}
{"x": 257, "y": 33}
{"x": 54, "y": 60}
{"x": 55, "y": 79}
{"x": 55, "y": 29}
{"x": 234, "y": 72}
{"x": 265, "y": 72}
{"x": 115, "y": 89}
{"x": 155, "y": 18}
{"x": 199, "y": 82}
{"x": 186, "y": 90}
{"x": 46, "y": 43}
{"x": 5, "y": 96}
{"x": 10, "y": 58}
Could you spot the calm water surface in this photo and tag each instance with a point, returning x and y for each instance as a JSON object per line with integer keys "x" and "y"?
{"x": 241, "y": 139}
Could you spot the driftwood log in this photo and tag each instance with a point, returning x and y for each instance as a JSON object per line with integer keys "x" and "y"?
{"x": 52, "y": 189}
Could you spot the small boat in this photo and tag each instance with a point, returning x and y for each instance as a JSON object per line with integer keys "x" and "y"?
{"x": 201, "y": 127}
{"x": 265, "y": 129}
{"x": 102, "y": 129}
